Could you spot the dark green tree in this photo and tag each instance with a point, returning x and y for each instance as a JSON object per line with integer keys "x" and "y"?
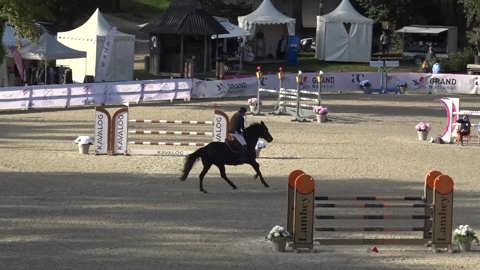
{"x": 220, "y": 8}
{"x": 22, "y": 14}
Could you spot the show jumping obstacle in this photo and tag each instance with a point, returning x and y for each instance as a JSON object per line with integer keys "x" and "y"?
{"x": 453, "y": 113}
{"x": 436, "y": 215}
{"x": 114, "y": 138}
{"x": 296, "y": 102}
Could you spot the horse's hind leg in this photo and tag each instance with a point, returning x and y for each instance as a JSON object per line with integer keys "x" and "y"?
{"x": 256, "y": 167}
{"x": 206, "y": 167}
{"x": 224, "y": 176}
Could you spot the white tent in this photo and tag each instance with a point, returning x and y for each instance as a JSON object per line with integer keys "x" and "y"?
{"x": 90, "y": 37}
{"x": 48, "y": 48}
{"x": 344, "y": 35}
{"x": 271, "y": 22}
{"x": 233, "y": 30}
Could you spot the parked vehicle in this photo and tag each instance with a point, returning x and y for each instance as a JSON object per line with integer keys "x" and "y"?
{"x": 417, "y": 39}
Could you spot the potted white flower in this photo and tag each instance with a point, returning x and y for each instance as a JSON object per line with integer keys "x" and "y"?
{"x": 401, "y": 87}
{"x": 279, "y": 237}
{"x": 252, "y": 102}
{"x": 84, "y": 143}
{"x": 365, "y": 85}
{"x": 322, "y": 113}
{"x": 463, "y": 236}
{"x": 422, "y": 130}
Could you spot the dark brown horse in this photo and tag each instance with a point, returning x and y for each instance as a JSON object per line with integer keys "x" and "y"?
{"x": 221, "y": 154}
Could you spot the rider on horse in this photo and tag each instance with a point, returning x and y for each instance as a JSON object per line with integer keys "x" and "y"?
{"x": 237, "y": 127}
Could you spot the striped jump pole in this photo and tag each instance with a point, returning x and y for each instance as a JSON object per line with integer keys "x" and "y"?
{"x": 436, "y": 203}
{"x": 453, "y": 113}
{"x": 296, "y": 102}
{"x": 113, "y": 132}
{"x": 278, "y": 109}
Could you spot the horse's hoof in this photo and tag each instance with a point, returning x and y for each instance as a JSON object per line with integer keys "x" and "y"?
{"x": 182, "y": 178}
{"x": 266, "y": 185}
{"x": 234, "y": 187}
{"x": 204, "y": 191}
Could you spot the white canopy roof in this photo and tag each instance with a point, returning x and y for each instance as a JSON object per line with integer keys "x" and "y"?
{"x": 266, "y": 13}
{"x": 48, "y": 48}
{"x": 422, "y": 30}
{"x": 233, "y": 30}
{"x": 345, "y": 13}
{"x": 95, "y": 26}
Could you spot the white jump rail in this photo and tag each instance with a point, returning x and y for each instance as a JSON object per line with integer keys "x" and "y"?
{"x": 112, "y": 133}
{"x": 452, "y": 112}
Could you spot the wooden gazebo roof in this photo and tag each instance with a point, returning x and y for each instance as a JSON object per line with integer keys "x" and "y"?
{"x": 185, "y": 17}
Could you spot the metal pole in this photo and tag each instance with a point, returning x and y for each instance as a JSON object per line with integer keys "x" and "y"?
{"x": 259, "y": 78}
{"x": 46, "y": 71}
{"x": 181, "y": 56}
{"x": 280, "y": 106}
{"x": 299, "y": 80}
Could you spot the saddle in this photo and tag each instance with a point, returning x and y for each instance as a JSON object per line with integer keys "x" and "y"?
{"x": 236, "y": 147}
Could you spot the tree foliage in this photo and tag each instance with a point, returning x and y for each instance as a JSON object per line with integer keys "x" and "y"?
{"x": 220, "y": 8}
{"x": 23, "y": 14}
{"x": 472, "y": 11}
{"x": 472, "y": 14}
{"x": 387, "y": 10}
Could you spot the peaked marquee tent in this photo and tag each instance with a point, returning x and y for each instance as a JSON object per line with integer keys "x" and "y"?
{"x": 271, "y": 22}
{"x": 48, "y": 48}
{"x": 90, "y": 37}
{"x": 344, "y": 35}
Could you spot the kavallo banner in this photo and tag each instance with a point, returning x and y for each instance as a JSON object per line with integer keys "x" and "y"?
{"x": 120, "y": 131}
{"x": 102, "y": 131}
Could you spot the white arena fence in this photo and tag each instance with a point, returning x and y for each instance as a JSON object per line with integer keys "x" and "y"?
{"x": 117, "y": 93}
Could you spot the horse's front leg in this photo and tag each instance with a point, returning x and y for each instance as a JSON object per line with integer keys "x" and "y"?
{"x": 223, "y": 174}
{"x": 256, "y": 167}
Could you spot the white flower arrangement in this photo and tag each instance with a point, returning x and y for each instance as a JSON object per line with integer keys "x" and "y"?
{"x": 320, "y": 110}
{"x": 278, "y": 233}
{"x": 423, "y": 126}
{"x": 464, "y": 234}
{"x": 252, "y": 101}
{"x": 84, "y": 140}
{"x": 365, "y": 84}
{"x": 401, "y": 84}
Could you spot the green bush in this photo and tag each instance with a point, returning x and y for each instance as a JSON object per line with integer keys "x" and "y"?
{"x": 457, "y": 62}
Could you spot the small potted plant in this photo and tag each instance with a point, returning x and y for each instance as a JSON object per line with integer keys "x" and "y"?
{"x": 252, "y": 102}
{"x": 322, "y": 113}
{"x": 84, "y": 143}
{"x": 401, "y": 87}
{"x": 422, "y": 130}
{"x": 365, "y": 85}
{"x": 279, "y": 237}
{"x": 463, "y": 236}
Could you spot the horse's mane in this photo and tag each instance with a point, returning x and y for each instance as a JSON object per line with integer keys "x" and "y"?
{"x": 254, "y": 125}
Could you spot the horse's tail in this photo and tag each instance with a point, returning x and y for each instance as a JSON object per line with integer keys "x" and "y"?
{"x": 190, "y": 161}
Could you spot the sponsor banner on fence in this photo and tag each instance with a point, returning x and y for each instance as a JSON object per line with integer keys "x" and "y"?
{"x": 117, "y": 93}
{"x": 93, "y": 94}
{"x": 242, "y": 87}
{"x": 437, "y": 83}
